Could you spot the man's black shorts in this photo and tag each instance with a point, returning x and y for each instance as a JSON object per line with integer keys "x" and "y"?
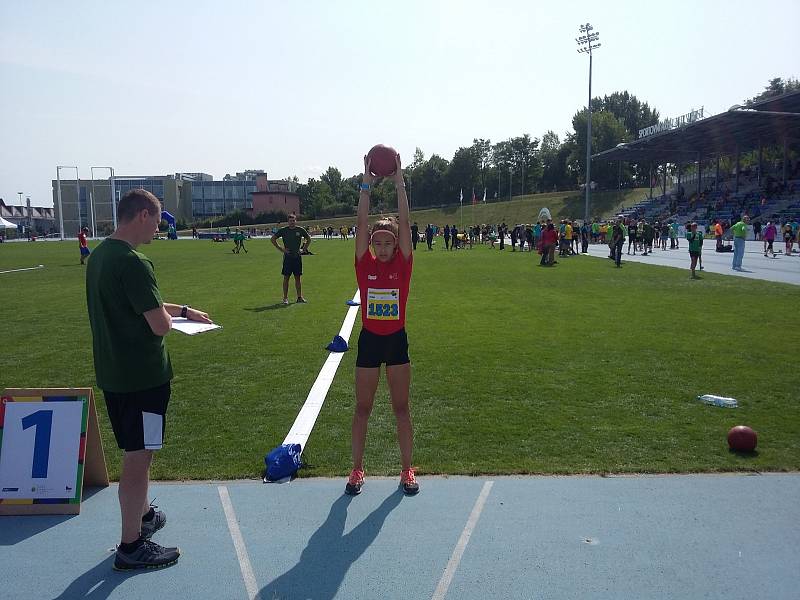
{"x": 138, "y": 418}
{"x": 292, "y": 265}
{"x": 374, "y": 349}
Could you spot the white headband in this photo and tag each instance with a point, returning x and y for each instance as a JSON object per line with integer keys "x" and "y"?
{"x": 382, "y": 230}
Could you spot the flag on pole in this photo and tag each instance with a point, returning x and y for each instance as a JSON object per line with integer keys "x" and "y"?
{"x": 484, "y": 195}
{"x": 474, "y": 197}
{"x": 461, "y": 196}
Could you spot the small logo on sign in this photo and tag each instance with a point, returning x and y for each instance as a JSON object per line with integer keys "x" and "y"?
{"x": 372, "y": 277}
{"x": 10, "y": 489}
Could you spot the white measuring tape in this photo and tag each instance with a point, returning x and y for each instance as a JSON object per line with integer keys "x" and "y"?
{"x": 25, "y": 269}
{"x": 307, "y": 416}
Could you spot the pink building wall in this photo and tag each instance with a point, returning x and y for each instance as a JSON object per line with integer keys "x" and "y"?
{"x": 275, "y": 202}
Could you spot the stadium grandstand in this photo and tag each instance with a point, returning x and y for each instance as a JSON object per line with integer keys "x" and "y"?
{"x": 766, "y": 187}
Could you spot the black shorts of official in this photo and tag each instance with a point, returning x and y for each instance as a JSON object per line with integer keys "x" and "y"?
{"x": 138, "y": 418}
{"x": 292, "y": 265}
{"x": 375, "y": 350}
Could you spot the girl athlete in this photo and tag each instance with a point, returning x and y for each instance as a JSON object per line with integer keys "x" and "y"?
{"x": 384, "y": 274}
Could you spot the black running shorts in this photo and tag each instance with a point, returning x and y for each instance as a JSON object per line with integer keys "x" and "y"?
{"x": 138, "y": 418}
{"x": 375, "y": 350}
{"x": 292, "y": 265}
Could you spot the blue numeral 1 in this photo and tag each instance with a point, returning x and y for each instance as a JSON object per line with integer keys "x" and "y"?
{"x": 42, "y": 420}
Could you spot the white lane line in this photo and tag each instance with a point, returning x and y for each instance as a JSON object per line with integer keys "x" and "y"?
{"x": 458, "y": 551}
{"x": 25, "y": 269}
{"x": 307, "y": 417}
{"x": 238, "y": 543}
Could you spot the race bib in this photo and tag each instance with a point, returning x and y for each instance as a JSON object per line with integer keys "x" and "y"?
{"x": 383, "y": 304}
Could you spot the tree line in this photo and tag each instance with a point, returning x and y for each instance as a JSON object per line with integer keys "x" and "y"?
{"x": 516, "y": 166}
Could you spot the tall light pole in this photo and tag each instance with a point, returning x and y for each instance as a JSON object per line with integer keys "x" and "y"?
{"x": 21, "y": 212}
{"x": 586, "y": 43}
{"x": 509, "y": 183}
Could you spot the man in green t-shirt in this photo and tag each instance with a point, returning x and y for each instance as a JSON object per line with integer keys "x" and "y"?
{"x": 238, "y": 242}
{"x": 739, "y": 234}
{"x": 695, "y": 239}
{"x": 129, "y": 321}
{"x": 292, "y": 237}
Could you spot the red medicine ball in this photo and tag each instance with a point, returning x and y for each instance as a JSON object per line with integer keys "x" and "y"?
{"x": 742, "y": 438}
{"x": 382, "y": 162}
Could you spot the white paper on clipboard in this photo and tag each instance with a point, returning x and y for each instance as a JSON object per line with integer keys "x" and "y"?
{"x": 192, "y": 327}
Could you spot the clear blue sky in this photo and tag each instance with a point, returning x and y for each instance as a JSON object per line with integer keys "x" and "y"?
{"x": 293, "y": 87}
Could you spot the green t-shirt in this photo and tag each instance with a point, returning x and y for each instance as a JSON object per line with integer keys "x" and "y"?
{"x": 120, "y": 287}
{"x": 695, "y": 241}
{"x": 739, "y": 229}
{"x": 292, "y": 238}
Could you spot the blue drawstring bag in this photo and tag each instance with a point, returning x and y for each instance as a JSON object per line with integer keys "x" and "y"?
{"x": 338, "y": 344}
{"x": 282, "y": 461}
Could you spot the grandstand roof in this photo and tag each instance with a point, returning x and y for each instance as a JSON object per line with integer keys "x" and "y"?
{"x": 788, "y": 102}
{"x": 768, "y": 122}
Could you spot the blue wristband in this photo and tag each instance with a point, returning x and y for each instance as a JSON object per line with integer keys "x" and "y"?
{"x": 365, "y": 187}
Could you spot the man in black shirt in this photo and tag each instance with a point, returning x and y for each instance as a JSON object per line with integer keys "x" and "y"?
{"x": 632, "y": 237}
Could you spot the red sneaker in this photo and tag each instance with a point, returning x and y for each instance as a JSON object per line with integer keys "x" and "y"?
{"x": 409, "y": 482}
{"x": 354, "y": 483}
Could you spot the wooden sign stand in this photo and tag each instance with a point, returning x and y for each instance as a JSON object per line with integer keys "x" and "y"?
{"x": 91, "y": 463}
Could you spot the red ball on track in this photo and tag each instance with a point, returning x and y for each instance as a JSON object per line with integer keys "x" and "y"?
{"x": 382, "y": 160}
{"x": 742, "y": 438}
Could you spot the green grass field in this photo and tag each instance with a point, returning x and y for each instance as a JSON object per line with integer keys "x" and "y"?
{"x": 581, "y": 368}
{"x": 525, "y": 209}
{"x": 522, "y": 209}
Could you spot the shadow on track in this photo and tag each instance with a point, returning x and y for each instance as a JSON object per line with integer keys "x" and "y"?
{"x": 100, "y": 581}
{"x": 329, "y": 554}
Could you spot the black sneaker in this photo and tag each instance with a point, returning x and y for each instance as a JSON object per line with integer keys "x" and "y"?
{"x": 157, "y": 522}
{"x": 148, "y": 555}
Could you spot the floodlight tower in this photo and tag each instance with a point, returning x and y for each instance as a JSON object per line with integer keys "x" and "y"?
{"x": 21, "y": 212}
{"x": 586, "y": 43}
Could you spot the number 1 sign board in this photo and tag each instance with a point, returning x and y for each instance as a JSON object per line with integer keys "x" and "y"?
{"x": 49, "y": 448}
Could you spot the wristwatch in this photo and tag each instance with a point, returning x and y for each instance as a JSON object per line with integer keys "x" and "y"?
{"x": 184, "y": 309}
{"x": 365, "y": 187}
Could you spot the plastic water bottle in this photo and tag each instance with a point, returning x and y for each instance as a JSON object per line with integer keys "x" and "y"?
{"x": 721, "y": 401}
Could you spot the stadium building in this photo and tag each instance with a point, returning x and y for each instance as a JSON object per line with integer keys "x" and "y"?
{"x": 38, "y": 220}
{"x": 694, "y": 147}
{"x": 189, "y": 197}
